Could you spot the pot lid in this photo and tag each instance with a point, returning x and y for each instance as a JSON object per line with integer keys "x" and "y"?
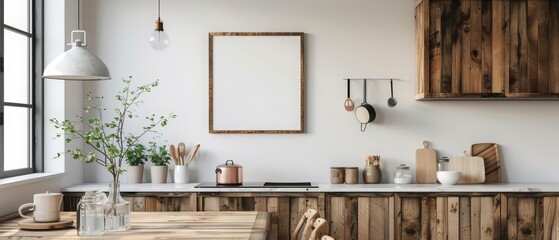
{"x": 229, "y": 164}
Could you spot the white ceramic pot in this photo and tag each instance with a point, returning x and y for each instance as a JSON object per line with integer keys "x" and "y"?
{"x": 135, "y": 174}
{"x": 159, "y": 174}
{"x": 181, "y": 174}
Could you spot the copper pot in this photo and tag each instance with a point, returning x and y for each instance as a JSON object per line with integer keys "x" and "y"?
{"x": 229, "y": 173}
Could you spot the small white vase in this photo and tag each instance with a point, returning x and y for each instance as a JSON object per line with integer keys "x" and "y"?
{"x": 159, "y": 174}
{"x": 135, "y": 174}
{"x": 181, "y": 174}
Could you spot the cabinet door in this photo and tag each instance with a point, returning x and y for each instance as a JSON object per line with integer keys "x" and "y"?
{"x": 452, "y": 217}
{"x": 354, "y": 216}
{"x": 530, "y": 217}
{"x": 476, "y": 49}
{"x": 285, "y": 209}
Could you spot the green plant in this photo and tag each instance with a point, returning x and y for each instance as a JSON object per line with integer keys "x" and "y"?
{"x": 136, "y": 155}
{"x": 107, "y": 136}
{"x": 159, "y": 156}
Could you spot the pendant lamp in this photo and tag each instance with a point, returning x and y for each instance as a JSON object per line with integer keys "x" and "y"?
{"x": 158, "y": 40}
{"x": 77, "y": 63}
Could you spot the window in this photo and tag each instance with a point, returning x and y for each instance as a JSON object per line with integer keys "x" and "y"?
{"x": 20, "y": 81}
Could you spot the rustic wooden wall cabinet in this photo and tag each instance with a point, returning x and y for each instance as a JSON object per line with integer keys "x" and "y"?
{"x": 472, "y": 49}
{"x": 378, "y": 215}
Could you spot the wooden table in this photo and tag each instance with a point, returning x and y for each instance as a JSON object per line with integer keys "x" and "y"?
{"x": 168, "y": 225}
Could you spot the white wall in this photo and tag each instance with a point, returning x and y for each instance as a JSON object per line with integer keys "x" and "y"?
{"x": 354, "y": 38}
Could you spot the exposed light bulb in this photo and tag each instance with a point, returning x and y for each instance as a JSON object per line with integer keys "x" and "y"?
{"x": 158, "y": 40}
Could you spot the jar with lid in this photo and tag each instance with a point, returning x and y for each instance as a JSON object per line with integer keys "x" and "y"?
{"x": 90, "y": 219}
{"x": 402, "y": 175}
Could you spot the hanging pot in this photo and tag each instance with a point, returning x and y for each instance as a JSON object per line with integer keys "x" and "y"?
{"x": 365, "y": 113}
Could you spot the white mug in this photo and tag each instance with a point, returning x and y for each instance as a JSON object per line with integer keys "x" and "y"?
{"x": 45, "y": 207}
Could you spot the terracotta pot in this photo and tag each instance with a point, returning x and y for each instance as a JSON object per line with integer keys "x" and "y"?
{"x": 135, "y": 174}
{"x": 159, "y": 174}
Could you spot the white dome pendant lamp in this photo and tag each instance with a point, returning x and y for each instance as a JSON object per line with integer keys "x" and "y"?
{"x": 77, "y": 63}
{"x": 158, "y": 40}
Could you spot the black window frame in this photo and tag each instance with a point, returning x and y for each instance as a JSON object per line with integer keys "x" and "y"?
{"x": 36, "y": 85}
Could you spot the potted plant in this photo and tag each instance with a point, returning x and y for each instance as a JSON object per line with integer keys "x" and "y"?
{"x": 159, "y": 156}
{"x": 109, "y": 142}
{"x": 136, "y": 158}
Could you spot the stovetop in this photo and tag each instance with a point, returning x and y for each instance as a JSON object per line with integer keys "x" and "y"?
{"x": 260, "y": 185}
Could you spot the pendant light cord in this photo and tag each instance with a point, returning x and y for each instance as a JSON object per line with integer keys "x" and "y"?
{"x": 158, "y": 8}
{"x": 79, "y": 14}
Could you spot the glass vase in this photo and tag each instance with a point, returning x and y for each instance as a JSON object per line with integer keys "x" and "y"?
{"x": 117, "y": 210}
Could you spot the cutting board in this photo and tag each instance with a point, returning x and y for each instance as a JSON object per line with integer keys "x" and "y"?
{"x": 472, "y": 168}
{"x": 426, "y": 164}
{"x": 490, "y": 154}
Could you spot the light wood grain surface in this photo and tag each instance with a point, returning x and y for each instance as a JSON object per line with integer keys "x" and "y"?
{"x": 164, "y": 225}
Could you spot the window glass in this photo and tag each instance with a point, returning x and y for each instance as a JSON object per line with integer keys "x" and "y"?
{"x": 16, "y": 138}
{"x": 16, "y": 68}
{"x": 16, "y": 14}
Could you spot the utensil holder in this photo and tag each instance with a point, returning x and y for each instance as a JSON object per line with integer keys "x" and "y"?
{"x": 182, "y": 174}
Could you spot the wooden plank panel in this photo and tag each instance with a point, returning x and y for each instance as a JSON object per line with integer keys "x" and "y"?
{"x": 446, "y": 49}
{"x": 442, "y": 218}
{"x": 539, "y": 221}
{"x": 465, "y": 55}
{"x": 504, "y": 216}
{"x": 507, "y": 46}
{"x": 337, "y": 220}
{"x": 475, "y": 217}
{"x": 487, "y": 214}
{"x": 475, "y": 46}
{"x": 543, "y": 48}
{"x": 453, "y": 218}
{"x": 420, "y": 49}
{"x": 498, "y": 46}
{"x": 497, "y": 217}
{"x": 283, "y": 230}
{"x": 554, "y": 46}
{"x": 411, "y": 228}
{"x": 273, "y": 209}
{"x": 435, "y": 46}
{"x": 514, "y": 64}
{"x": 428, "y": 217}
{"x": 456, "y": 47}
{"x": 139, "y": 204}
{"x": 486, "y": 50}
{"x": 522, "y": 48}
{"x": 395, "y": 217}
{"x": 377, "y": 216}
{"x": 532, "y": 30}
{"x": 512, "y": 218}
{"x": 465, "y": 218}
{"x": 526, "y": 218}
{"x": 364, "y": 222}
{"x": 209, "y": 203}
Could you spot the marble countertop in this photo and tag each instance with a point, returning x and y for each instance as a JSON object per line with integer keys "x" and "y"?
{"x": 327, "y": 187}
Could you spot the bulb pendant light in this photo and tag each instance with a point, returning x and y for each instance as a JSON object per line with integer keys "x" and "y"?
{"x": 158, "y": 39}
{"x": 77, "y": 63}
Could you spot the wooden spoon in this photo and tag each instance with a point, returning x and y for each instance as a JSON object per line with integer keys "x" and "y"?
{"x": 348, "y": 104}
{"x": 192, "y": 154}
{"x": 174, "y": 156}
{"x": 182, "y": 152}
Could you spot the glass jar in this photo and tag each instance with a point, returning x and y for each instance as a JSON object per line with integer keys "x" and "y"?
{"x": 402, "y": 175}
{"x": 90, "y": 219}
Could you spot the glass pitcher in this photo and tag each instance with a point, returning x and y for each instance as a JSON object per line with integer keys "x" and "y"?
{"x": 91, "y": 214}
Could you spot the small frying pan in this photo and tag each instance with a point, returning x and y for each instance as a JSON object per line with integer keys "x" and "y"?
{"x": 365, "y": 113}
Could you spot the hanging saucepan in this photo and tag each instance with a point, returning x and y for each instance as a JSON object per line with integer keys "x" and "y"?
{"x": 365, "y": 113}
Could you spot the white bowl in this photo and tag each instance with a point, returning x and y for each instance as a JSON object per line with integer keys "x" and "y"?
{"x": 449, "y": 177}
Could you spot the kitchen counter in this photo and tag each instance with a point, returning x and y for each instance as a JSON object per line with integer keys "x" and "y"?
{"x": 329, "y": 188}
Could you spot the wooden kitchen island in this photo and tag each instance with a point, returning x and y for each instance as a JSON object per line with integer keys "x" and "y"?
{"x": 368, "y": 211}
{"x": 163, "y": 225}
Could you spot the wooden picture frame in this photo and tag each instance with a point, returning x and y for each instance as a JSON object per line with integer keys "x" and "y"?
{"x": 256, "y": 82}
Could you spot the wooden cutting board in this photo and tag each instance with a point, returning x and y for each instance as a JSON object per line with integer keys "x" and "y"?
{"x": 490, "y": 154}
{"x": 472, "y": 168}
{"x": 426, "y": 164}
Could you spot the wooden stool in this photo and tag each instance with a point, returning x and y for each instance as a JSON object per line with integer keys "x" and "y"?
{"x": 310, "y": 215}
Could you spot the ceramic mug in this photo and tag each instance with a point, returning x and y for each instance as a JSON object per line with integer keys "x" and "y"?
{"x": 45, "y": 207}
